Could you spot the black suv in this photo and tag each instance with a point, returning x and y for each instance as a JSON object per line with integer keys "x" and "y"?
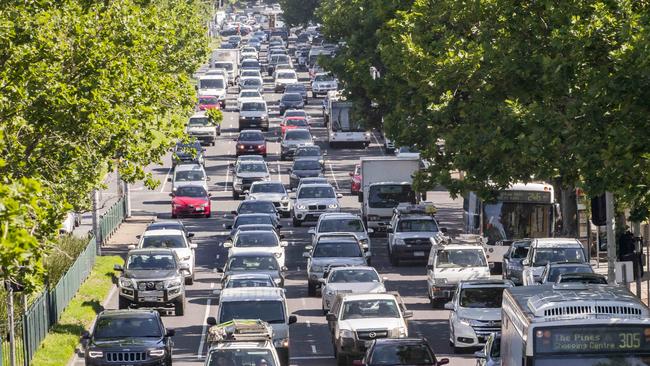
{"x": 152, "y": 278}
{"x": 400, "y": 351}
{"x": 128, "y": 337}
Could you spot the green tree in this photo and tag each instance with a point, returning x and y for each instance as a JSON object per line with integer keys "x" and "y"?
{"x": 299, "y": 12}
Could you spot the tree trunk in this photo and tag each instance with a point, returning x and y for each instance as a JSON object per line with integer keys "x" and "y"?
{"x": 569, "y": 212}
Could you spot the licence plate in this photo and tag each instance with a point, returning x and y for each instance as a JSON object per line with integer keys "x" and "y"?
{"x": 150, "y": 299}
{"x": 198, "y": 209}
{"x": 418, "y": 254}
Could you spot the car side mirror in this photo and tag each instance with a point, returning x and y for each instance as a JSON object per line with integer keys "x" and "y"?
{"x": 479, "y": 354}
{"x": 351, "y": 174}
{"x": 370, "y": 230}
{"x": 131, "y": 247}
{"x": 443, "y": 230}
{"x": 367, "y": 254}
{"x": 170, "y": 332}
{"x": 525, "y": 262}
{"x": 443, "y": 361}
{"x": 338, "y": 195}
{"x": 430, "y": 267}
{"x": 190, "y": 235}
{"x": 311, "y": 231}
{"x": 211, "y": 321}
{"x": 194, "y": 246}
{"x": 408, "y": 314}
{"x": 118, "y": 268}
{"x": 293, "y": 319}
{"x": 138, "y": 236}
{"x": 219, "y": 270}
{"x": 331, "y": 317}
{"x": 322, "y": 280}
{"x": 184, "y": 266}
{"x": 284, "y": 268}
{"x": 169, "y": 179}
{"x": 208, "y": 178}
{"x": 279, "y": 226}
{"x": 233, "y": 212}
{"x": 284, "y": 244}
{"x": 449, "y": 306}
{"x": 227, "y": 226}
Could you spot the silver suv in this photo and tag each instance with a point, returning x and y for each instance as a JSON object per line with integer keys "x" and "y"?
{"x": 246, "y": 173}
{"x": 410, "y": 232}
{"x": 333, "y": 249}
{"x": 293, "y": 139}
{"x": 312, "y": 200}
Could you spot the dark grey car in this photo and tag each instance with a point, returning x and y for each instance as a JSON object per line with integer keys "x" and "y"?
{"x": 512, "y": 266}
{"x": 299, "y": 89}
{"x": 254, "y": 262}
{"x": 304, "y": 168}
{"x": 291, "y": 101}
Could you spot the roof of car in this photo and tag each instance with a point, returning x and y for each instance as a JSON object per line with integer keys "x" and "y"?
{"x": 251, "y": 294}
{"x": 165, "y": 223}
{"x": 568, "y": 264}
{"x": 187, "y": 167}
{"x": 160, "y": 232}
{"x": 337, "y": 237}
{"x": 373, "y": 296}
{"x": 316, "y": 185}
{"x": 485, "y": 283}
{"x": 130, "y": 313}
{"x": 342, "y": 268}
{"x": 338, "y": 215}
{"x": 240, "y": 276}
{"x": 556, "y": 242}
{"x": 391, "y": 341}
{"x": 252, "y": 253}
{"x": 151, "y": 251}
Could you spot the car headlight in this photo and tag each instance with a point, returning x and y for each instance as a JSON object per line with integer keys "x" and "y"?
{"x": 294, "y": 176}
{"x": 238, "y": 180}
{"x": 284, "y": 198}
{"x": 283, "y": 343}
{"x": 378, "y": 290}
{"x": 301, "y": 207}
{"x": 332, "y": 205}
{"x": 126, "y": 282}
{"x": 364, "y": 241}
{"x": 467, "y": 321}
{"x": 277, "y": 281}
{"x": 174, "y": 282}
{"x": 399, "y": 242}
{"x": 157, "y": 352}
{"x": 278, "y": 254}
{"x": 160, "y": 286}
{"x": 330, "y": 292}
{"x": 344, "y": 333}
{"x": 317, "y": 268}
{"x": 440, "y": 281}
{"x": 204, "y": 205}
{"x": 95, "y": 354}
{"x": 398, "y": 332}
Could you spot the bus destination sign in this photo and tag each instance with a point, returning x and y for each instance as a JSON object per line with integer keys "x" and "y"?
{"x": 601, "y": 339}
{"x": 524, "y": 196}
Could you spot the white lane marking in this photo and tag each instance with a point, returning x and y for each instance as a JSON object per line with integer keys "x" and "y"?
{"x": 304, "y": 303}
{"x": 378, "y": 144}
{"x": 334, "y": 176}
{"x": 162, "y": 189}
{"x": 313, "y": 349}
{"x": 308, "y": 323}
{"x": 311, "y": 357}
{"x": 212, "y": 285}
{"x": 225, "y": 186}
{"x": 199, "y": 352}
{"x": 279, "y": 173}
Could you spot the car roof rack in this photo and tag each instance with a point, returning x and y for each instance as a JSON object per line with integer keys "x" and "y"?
{"x": 462, "y": 239}
{"x": 240, "y": 330}
{"x": 422, "y": 208}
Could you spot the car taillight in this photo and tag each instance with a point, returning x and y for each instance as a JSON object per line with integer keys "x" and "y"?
{"x": 240, "y": 146}
{"x": 261, "y": 146}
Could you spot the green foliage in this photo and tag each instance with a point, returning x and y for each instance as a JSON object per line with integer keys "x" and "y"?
{"x": 508, "y": 90}
{"x": 299, "y": 12}
{"x": 216, "y": 115}
{"x": 86, "y": 87}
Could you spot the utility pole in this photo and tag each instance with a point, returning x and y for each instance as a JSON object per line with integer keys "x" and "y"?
{"x": 10, "y": 319}
{"x": 127, "y": 199}
{"x": 96, "y": 228}
{"x": 611, "y": 238}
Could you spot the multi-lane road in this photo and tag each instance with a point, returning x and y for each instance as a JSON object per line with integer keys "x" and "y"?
{"x": 310, "y": 342}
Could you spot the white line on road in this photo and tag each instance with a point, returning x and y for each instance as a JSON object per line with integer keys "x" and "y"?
{"x": 162, "y": 189}
{"x": 199, "y": 352}
{"x": 378, "y": 144}
{"x": 312, "y": 357}
{"x": 308, "y": 323}
{"x": 313, "y": 349}
{"x": 279, "y": 173}
{"x": 225, "y": 185}
{"x": 334, "y": 176}
{"x": 304, "y": 302}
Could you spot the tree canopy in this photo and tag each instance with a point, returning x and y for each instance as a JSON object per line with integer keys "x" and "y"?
{"x": 299, "y": 12}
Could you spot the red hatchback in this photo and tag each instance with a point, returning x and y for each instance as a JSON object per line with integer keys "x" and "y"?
{"x": 209, "y": 102}
{"x": 250, "y": 142}
{"x": 289, "y": 123}
{"x": 191, "y": 201}
{"x": 355, "y": 183}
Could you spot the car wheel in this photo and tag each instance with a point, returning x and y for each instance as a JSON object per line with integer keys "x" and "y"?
{"x": 123, "y": 303}
{"x": 311, "y": 289}
{"x": 213, "y": 143}
{"x": 179, "y": 306}
{"x": 296, "y": 222}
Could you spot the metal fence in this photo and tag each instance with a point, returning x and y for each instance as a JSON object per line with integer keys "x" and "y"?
{"x": 47, "y": 307}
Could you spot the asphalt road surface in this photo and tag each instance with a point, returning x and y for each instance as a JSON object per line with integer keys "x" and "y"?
{"x": 310, "y": 342}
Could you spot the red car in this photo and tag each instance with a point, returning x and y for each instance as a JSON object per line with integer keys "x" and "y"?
{"x": 289, "y": 123}
{"x": 191, "y": 201}
{"x": 250, "y": 142}
{"x": 355, "y": 184}
{"x": 209, "y": 102}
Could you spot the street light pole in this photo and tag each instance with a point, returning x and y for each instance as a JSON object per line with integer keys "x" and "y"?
{"x": 611, "y": 239}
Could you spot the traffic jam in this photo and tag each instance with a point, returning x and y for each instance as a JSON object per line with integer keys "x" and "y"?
{"x": 286, "y": 233}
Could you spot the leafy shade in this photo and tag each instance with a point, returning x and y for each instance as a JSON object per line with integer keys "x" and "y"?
{"x": 299, "y": 12}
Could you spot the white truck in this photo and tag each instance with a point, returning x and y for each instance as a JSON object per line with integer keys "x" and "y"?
{"x": 342, "y": 129}
{"x": 385, "y": 183}
{"x": 226, "y": 59}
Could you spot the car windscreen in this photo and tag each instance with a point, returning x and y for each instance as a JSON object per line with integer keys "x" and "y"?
{"x": 253, "y": 263}
{"x": 298, "y": 122}
{"x": 208, "y": 100}
{"x": 307, "y": 150}
{"x": 267, "y": 188}
{"x": 324, "y": 78}
{"x": 341, "y": 225}
{"x": 402, "y": 354}
{"x": 240, "y": 357}
{"x": 250, "y": 239}
{"x": 353, "y": 275}
{"x": 337, "y": 249}
{"x": 519, "y": 251}
{"x": 255, "y": 206}
{"x": 292, "y": 97}
{"x": 251, "y": 136}
{"x": 316, "y": 192}
{"x": 250, "y": 282}
{"x": 253, "y": 106}
{"x": 223, "y": 65}
{"x": 271, "y": 311}
{"x": 293, "y": 135}
{"x": 455, "y": 258}
{"x": 360, "y": 309}
{"x": 164, "y": 241}
{"x": 295, "y": 88}
{"x": 295, "y": 113}
{"x": 250, "y": 73}
{"x": 109, "y": 327}
{"x": 150, "y": 262}
{"x": 189, "y": 176}
{"x": 250, "y": 65}
{"x": 211, "y": 84}
{"x": 555, "y": 272}
{"x": 200, "y": 121}
{"x": 253, "y": 220}
{"x": 417, "y": 225}
{"x": 189, "y": 191}
{"x": 253, "y": 82}
{"x": 306, "y": 165}
{"x": 546, "y": 255}
{"x": 251, "y": 168}
{"x": 481, "y": 297}
{"x": 389, "y": 195}
{"x": 286, "y": 75}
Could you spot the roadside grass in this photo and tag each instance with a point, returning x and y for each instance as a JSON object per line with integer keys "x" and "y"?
{"x": 59, "y": 345}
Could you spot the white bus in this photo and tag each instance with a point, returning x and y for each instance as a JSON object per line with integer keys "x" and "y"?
{"x": 518, "y": 212}
{"x": 574, "y": 324}
{"x": 342, "y": 128}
